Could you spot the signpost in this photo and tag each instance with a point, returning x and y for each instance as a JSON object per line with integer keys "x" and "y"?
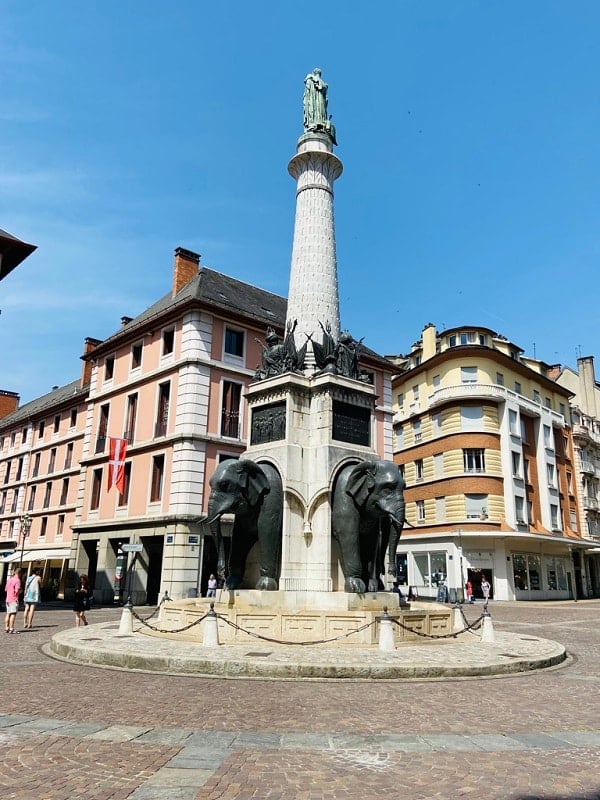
{"x": 132, "y": 548}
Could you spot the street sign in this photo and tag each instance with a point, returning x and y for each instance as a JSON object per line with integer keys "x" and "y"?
{"x": 132, "y": 548}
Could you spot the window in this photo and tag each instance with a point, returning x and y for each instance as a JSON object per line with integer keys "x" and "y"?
{"x": 156, "y": 487}
{"x": 52, "y": 460}
{"x": 513, "y": 422}
{"x": 523, "y": 431}
{"x": 468, "y": 337}
{"x": 518, "y": 387}
{"x": 47, "y": 495}
{"x": 570, "y": 483}
{"x": 73, "y": 418}
{"x": 415, "y": 391}
{"x": 471, "y": 418}
{"x": 419, "y": 469}
{"x": 554, "y": 517}
{"x": 24, "y": 435}
{"x": 132, "y": 402}
{"x": 520, "y": 509}
{"x": 60, "y": 526}
{"x": 168, "y": 341}
{"x": 64, "y": 494}
{"x": 536, "y": 396}
{"x": 562, "y": 409}
{"x": 19, "y": 469}
{"x": 440, "y": 509}
{"x": 420, "y": 504}
{"x": 400, "y": 400}
{"x": 438, "y": 465}
{"x": 436, "y": 419}
{"x": 36, "y": 465}
{"x": 526, "y": 470}
{"x": 516, "y": 464}
{"x": 162, "y": 413}
{"x": 234, "y": 343}
{"x": 551, "y": 475}
{"x": 417, "y": 430}
{"x": 548, "y": 438}
{"x": 13, "y": 508}
{"x": 31, "y": 504}
{"x": 124, "y": 498}
{"x": 102, "y": 428}
{"x": 476, "y": 505}
{"x": 13, "y": 438}
{"x": 500, "y": 379}
{"x": 136, "y": 355}
{"x": 69, "y": 456}
{"x": 57, "y": 423}
{"x": 7, "y": 473}
{"x": 468, "y": 374}
{"x": 547, "y": 402}
{"x": 109, "y": 368}
{"x": 436, "y": 381}
{"x": 96, "y": 488}
{"x": 474, "y": 459}
{"x": 400, "y": 437}
{"x": 3, "y": 502}
{"x": 43, "y": 527}
{"x": 41, "y": 428}
{"x": 230, "y": 409}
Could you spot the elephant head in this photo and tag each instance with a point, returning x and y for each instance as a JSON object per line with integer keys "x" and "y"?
{"x": 368, "y": 517}
{"x": 254, "y": 495}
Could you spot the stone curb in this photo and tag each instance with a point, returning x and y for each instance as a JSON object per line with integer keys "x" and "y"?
{"x": 102, "y": 646}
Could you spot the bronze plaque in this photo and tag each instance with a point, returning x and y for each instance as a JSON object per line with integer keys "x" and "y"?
{"x": 268, "y": 423}
{"x": 351, "y": 423}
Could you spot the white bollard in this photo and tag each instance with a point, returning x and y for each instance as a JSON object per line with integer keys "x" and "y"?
{"x": 458, "y": 622}
{"x": 386, "y": 633}
{"x": 126, "y": 624}
{"x": 487, "y": 629}
{"x": 210, "y": 637}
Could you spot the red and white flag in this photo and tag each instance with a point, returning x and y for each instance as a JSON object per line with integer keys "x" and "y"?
{"x": 116, "y": 464}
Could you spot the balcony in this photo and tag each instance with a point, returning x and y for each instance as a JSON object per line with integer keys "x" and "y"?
{"x": 591, "y": 503}
{"x": 588, "y": 467}
{"x": 583, "y": 432}
{"x": 230, "y": 424}
{"x": 491, "y": 391}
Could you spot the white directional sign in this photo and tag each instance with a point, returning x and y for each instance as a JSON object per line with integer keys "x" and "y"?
{"x": 132, "y": 548}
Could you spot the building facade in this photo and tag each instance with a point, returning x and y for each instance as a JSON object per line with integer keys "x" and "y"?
{"x": 483, "y": 436}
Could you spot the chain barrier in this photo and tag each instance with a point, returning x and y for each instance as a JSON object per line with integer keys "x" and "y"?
{"x": 301, "y": 644}
{"x": 472, "y": 627}
{"x": 164, "y": 630}
{"x": 469, "y": 627}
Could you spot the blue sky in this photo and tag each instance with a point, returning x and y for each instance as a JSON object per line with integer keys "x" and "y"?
{"x": 469, "y": 133}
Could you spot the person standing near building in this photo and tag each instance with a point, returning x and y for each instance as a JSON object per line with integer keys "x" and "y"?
{"x": 212, "y": 586}
{"x": 13, "y": 595}
{"x": 469, "y": 591}
{"x": 33, "y": 596}
{"x": 485, "y": 588}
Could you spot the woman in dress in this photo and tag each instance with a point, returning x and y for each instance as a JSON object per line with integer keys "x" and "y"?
{"x": 82, "y": 595}
{"x": 33, "y": 596}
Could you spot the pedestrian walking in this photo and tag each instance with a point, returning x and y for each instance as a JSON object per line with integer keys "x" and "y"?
{"x": 82, "y": 601}
{"x": 469, "y": 591}
{"x": 33, "y": 596}
{"x": 13, "y": 595}
{"x": 212, "y": 587}
{"x": 485, "y": 588}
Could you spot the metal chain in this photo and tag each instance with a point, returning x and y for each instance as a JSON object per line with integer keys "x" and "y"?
{"x": 301, "y": 644}
{"x": 164, "y": 630}
{"x": 452, "y": 635}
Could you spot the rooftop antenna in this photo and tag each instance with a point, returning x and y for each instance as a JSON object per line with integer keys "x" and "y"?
{"x": 578, "y": 351}
{"x": 534, "y": 355}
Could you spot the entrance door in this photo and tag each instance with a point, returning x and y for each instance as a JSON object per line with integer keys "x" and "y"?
{"x": 153, "y": 546}
{"x": 476, "y": 576}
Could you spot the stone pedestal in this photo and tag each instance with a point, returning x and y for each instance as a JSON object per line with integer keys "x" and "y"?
{"x": 308, "y": 428}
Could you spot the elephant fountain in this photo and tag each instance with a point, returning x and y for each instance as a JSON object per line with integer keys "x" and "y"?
{"x": 367, "y": 518}
{"x": 254, "y": 494}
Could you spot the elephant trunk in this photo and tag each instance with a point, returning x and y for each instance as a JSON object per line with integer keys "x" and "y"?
{"x": 397, "y": 523}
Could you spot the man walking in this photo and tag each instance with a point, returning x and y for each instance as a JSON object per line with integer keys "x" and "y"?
{"x": 13, "y": 595}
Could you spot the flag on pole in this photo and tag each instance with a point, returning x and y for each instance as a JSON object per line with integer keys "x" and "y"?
{"x": 116, "y": 464}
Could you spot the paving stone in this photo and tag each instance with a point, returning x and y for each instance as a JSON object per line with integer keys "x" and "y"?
{"x": 119, "y": 733}
{"x": 171, "y": 736}
{"x": 199, "y": 758}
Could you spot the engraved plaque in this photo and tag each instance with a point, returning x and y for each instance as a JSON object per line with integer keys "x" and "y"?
{"x": 268, "y": 423}
{"x": 351, "y": 423}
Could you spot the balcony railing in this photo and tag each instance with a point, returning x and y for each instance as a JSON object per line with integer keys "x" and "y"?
{"x": 588, "y": 466}
{"x": 160, "y": 429}
{"x": 490, "y": 391}
{"x": 591, "y": 502}
{"x": 230, "y": 424}
{"x": 100, "y": 444}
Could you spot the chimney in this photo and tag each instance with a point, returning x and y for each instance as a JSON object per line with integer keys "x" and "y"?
{"x": 125, "y": 321}
{"x": 89, "y": 346}
{"x": 587, "y": 386}
{"x": 9, "y": 402}
{"x": 429, "y": 339}
{"x": 184, "y": 269}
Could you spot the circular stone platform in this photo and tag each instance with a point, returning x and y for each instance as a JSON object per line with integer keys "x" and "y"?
{"x": 102, "y": 646}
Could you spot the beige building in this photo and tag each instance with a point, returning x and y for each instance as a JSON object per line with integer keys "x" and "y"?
{"x": 585, "y": 415}
{"x": 483, "y": 436}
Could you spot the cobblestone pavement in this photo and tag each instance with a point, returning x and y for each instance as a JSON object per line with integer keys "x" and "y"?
{"x": 69, "y": 731}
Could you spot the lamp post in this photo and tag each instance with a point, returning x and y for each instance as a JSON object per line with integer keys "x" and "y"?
{"x": 24, "y": 528}
{"x": 461, "y": 593}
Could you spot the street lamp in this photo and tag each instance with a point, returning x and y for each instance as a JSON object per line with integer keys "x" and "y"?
{"x": 25, "y": 526}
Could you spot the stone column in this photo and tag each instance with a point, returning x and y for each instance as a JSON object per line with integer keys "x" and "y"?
{"x": 313, "y": 292}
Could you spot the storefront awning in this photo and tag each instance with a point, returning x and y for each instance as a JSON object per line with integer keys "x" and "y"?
{"x": 50, "y": 554}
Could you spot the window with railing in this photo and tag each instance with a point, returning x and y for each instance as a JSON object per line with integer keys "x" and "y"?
{"x": 230, "y": 409}
{"x": 162, "y": 413}
{"x": 474, "y": 459}
{"x": 158, "y": 473}
{"x": 102, "y": 428}
{"x": 132, "y": 403}
{"x": 96, "y": 489}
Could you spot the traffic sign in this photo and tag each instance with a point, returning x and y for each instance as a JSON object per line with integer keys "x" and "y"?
{"x": 132, "y": 548}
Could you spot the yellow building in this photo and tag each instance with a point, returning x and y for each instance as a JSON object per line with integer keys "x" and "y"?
{"x": 482, "y": 434}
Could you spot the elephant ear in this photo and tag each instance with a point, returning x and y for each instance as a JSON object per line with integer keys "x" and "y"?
{"x": 253, "y": 481}
{"x": 361, "y": 482}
